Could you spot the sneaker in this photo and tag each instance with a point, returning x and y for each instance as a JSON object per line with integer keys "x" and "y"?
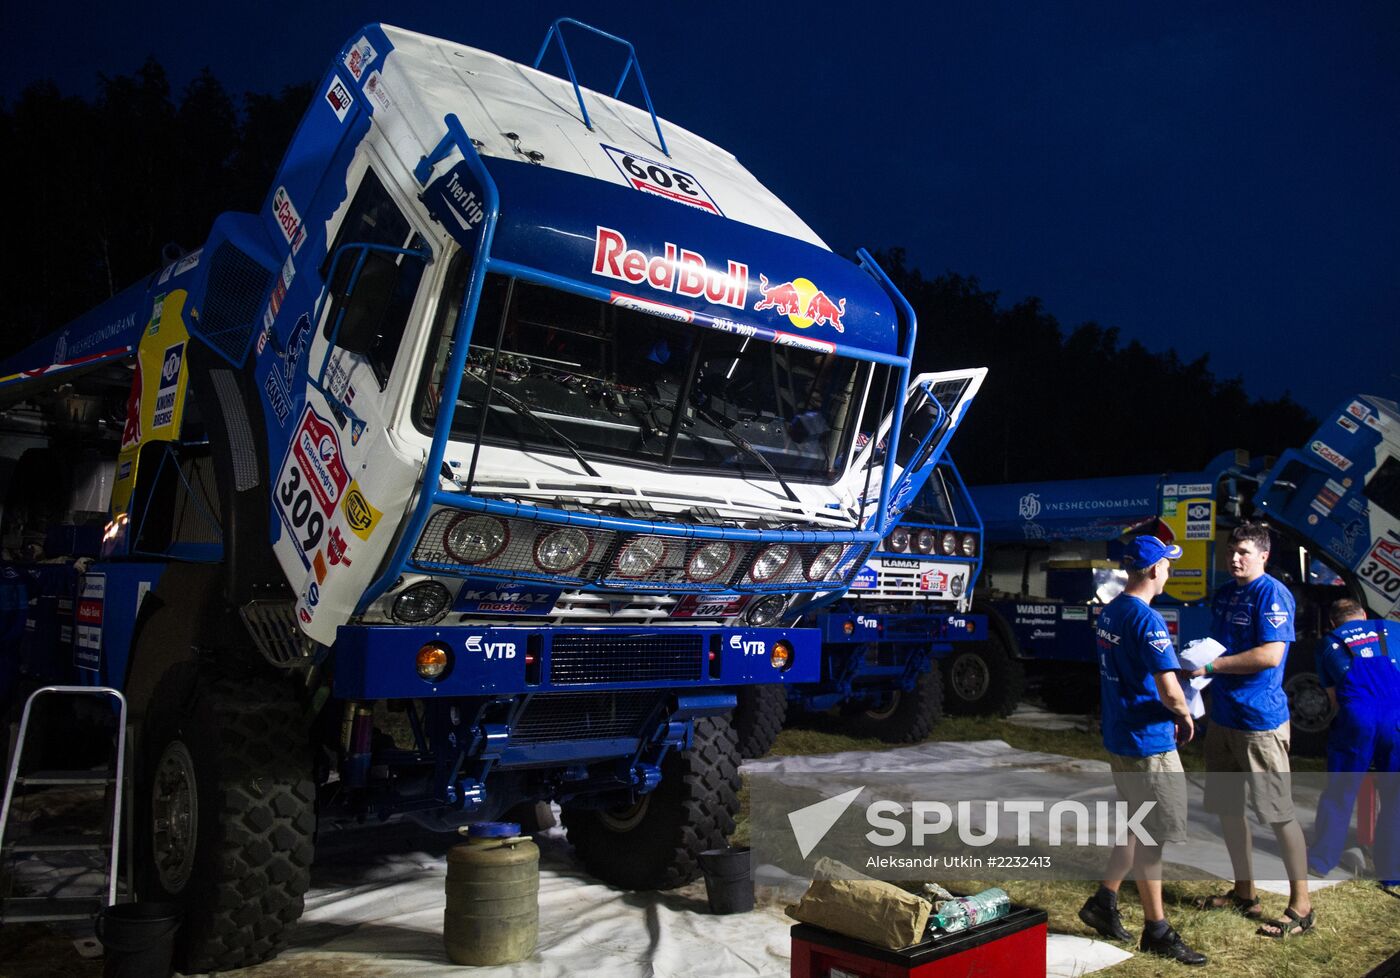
{"x": 1107, "y": 922}
{"x": 1170, "y": 945}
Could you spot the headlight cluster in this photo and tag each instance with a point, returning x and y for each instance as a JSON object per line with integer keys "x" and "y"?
{"x": 923, "y": 540}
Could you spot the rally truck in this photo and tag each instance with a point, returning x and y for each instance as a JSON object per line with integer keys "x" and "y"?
{"x": 482, "y": 467}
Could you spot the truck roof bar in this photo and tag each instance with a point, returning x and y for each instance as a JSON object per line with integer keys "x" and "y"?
{"x": 556, "y": 30}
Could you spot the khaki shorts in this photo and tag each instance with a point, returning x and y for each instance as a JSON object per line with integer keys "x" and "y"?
{"x": 1156, "y": 778}
{"x": 1249, "y": 764}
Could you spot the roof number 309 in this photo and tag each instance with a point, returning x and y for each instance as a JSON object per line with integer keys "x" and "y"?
{"x": 659, "y": 175}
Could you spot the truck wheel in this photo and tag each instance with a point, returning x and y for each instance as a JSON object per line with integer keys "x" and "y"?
{"x": 906, "y": 717}
{"x": 758, "y": 718}
{"x": 1309, "y": 711}
{"x": 225, "y": 815}
{"x": 1072, "y": 689}
{"x": 983, "y": 679}
{"x": 653, "y": 844}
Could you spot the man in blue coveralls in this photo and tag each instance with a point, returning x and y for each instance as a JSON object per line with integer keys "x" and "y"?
{"x": 1248, "y": 739}
{"x": 1144, "y": 717}
{"x": 1360, "y": 668}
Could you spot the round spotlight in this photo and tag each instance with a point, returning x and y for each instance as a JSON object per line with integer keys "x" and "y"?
{"x": 766, "y": 611}
{"x": 433, "y": 661}
{"x": 421, "y": 602}
{"x": 476, "y": 539}
{"x": 924, "y": 541}
{"x": 948, "y": 543}
{"x": 898, "y": 540}
{"x": 825, "y": 561}
{"x": 709, "y": 561}
{"x": 770, "y": 562}
{"x": 641, "y": 556}
{"x": 968, "y": 545}
{"x": 562, "y": 550}
{"x": 782, "y": 656}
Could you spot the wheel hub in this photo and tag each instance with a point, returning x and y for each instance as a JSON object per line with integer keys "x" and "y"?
{"x": 625, "y": 818}
{"x": 885, "y": 710}
{"x": 970, "y": 677}
{"x": 1309, "y": 708}
{"x": 174, "y": 817}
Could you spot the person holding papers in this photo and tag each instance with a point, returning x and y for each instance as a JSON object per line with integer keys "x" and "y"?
{"x": 1144, "y": 717}
{"x": 1252, "y": 617}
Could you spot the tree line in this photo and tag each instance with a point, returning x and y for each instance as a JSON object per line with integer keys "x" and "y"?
{"x": 101, "y": 187}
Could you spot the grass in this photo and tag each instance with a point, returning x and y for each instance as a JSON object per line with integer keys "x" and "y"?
{"x": 1358, "y": 924}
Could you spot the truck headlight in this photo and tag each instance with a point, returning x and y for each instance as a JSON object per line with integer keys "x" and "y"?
{"x": 770, "y": 562}
{"x": 898, "y": 540}
{"x": 948, "y": 543}
{"x": 562, "y": 550}
{"x": 710, "y": 561}
{"x": 825, "y": 560}
{"x": 968, "y": 545}
{"x": 768, "y": 610}
{"x": 924, "y": 541}
{"x": 476, "y": 539}
{"x": 421, "y": 602}
{"x": 641, "y": 556}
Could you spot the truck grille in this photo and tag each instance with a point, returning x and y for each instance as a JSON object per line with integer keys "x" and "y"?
{"x": 584, "y": 716}
{"x": 578, "y": 659}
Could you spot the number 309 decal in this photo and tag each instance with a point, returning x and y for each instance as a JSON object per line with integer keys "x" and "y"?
{"x": 661, "y": 179}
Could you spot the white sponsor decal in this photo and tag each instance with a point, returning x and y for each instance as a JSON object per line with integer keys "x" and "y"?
{"x": 1329, "y": 454}
{"x": 358, "y": 58}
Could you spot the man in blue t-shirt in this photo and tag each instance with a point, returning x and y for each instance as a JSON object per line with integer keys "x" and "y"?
{"x": 1360, "y": 668}
{"x": 1144, "y": 717}
{"x": 1248, "y": 738}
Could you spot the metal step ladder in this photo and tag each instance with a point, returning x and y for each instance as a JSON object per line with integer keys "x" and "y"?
{"x": 31, "y": 785}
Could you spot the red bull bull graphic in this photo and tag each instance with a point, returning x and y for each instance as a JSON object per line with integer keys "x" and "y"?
{"x": 676, "y": 270}
{"x": 802, "y": 303}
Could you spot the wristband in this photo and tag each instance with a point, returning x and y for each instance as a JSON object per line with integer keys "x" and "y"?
{"x": 1210, "y": 668}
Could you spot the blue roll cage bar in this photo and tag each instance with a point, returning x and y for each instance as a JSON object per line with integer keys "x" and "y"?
{"x": 431, "y": 494}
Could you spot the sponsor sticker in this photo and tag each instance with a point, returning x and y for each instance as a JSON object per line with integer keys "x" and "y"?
{"x": 359, "y": 58}
{"x": 87, "y": 642}
{"x": 935, "y": 581}
{"x": 1330, "y": 455}
{"x": 157, "y": 308}
{"x": 169, "y": 385}
{"x": 311, "y": 482}
{"x": 189, "y": 262}
{"x": 1074, "y": 613}
{"x": 865, "y": 580}
{"x": 277, "y": 397}
{"x": 338, "y": 97}
{"x": 288, "y": 220}
{"x": 801, "y": 302}
{"x": 337, "y": 550}
{"x": 660, "y": 179}
{"x": 1348, "y": 425}
{"x": 676, "y": 270}
{"x": 374, "y": 88}
{"x": 360, "y": 516}
{"x": 495, "y": 598}
{"x": 709, "y": 606}
{"x": 1358, "y": 411}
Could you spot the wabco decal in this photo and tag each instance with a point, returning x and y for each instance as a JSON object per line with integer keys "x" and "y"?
{"x": 677, "y": 270}
{"x": 339, "y": 99}
{"x": 1330, "y": 455}
{"x": 749, "y": 647}
{"x": 492, "y": 650}
{"x": 288, "y": 220}
{"x": 802, "y": 303}
{"x": 360, "y": 57}
{"x": 661, "y": 179}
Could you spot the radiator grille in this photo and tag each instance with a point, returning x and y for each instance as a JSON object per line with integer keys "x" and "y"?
{"x": 626, "y": 658}
{"x": 584, "y": 716}
{"x": 237, "y": 287}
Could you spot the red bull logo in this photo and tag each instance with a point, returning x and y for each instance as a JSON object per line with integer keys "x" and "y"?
{"x": 676, "y": 269}
{"x": 802, "y": 303}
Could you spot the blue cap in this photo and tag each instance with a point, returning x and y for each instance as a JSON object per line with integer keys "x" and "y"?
{"x": 493, "y": 830}
{"x": 1145, "y": 551}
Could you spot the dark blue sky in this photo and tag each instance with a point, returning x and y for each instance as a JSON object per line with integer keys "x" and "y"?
{"x": 1218, "y": 178}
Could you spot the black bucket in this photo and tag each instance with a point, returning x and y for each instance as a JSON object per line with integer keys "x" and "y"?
{"x": 727, "y": 881}
{"x": 138, "y": 938}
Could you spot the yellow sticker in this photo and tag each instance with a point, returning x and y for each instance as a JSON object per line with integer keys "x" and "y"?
{"x": 359, "y": 514}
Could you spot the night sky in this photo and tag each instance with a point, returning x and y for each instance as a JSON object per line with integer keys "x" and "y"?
{"x": 1217, "y": 178}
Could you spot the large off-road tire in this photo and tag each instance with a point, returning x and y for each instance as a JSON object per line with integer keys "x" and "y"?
{"x": 758, "y": 718}
{"x": 225, "y": 814}
{"x": 1071, "y": 688}
{"x": 983, "y": 678}
{"x": 654, "y": 844}
{"x": 905, "y": 716}
{"x": 1310, "y": 712}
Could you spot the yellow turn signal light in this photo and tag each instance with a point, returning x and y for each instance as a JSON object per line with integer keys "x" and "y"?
{"x": 433, "y": 660}
{"x": 782, "y": 655}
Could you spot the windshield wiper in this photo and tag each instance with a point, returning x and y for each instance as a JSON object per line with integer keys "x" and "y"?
{"x": 743, "y": 445}
{"x": 525, "y": 411}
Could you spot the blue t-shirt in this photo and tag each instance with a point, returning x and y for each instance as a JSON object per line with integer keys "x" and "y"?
{"x": 1243, "y": 618}
{"x": 1134, "y": 645}
{"x": 1354, "y": 640}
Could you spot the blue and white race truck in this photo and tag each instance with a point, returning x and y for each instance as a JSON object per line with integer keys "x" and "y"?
{"x": 1053, "y": 548}
{"x": 481, "y": 467}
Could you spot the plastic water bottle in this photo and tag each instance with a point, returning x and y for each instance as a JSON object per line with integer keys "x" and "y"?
{"x": 960, "y": 913}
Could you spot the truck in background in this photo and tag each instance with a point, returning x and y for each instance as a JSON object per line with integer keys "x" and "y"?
{"x": 1053, "y": 549}
{"x": 480, "y": 468}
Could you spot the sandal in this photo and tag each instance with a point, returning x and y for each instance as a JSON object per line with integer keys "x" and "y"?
{"x": 1291, "y": 925}
{"x": 1247, "y": 907}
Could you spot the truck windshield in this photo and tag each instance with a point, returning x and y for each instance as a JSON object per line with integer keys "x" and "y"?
{"x": 608, "y": 381}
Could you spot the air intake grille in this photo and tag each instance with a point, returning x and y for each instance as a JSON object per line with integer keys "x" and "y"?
{"x": 237, "y": 287}
{"x": 584, "y": 716}
{"x": 576, "y": 659}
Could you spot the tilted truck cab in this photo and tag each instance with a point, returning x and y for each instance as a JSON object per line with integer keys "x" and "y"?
{"x": 481, "y": 467}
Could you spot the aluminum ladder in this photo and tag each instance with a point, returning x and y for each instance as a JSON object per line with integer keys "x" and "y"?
{"x": 36, "y": 909}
